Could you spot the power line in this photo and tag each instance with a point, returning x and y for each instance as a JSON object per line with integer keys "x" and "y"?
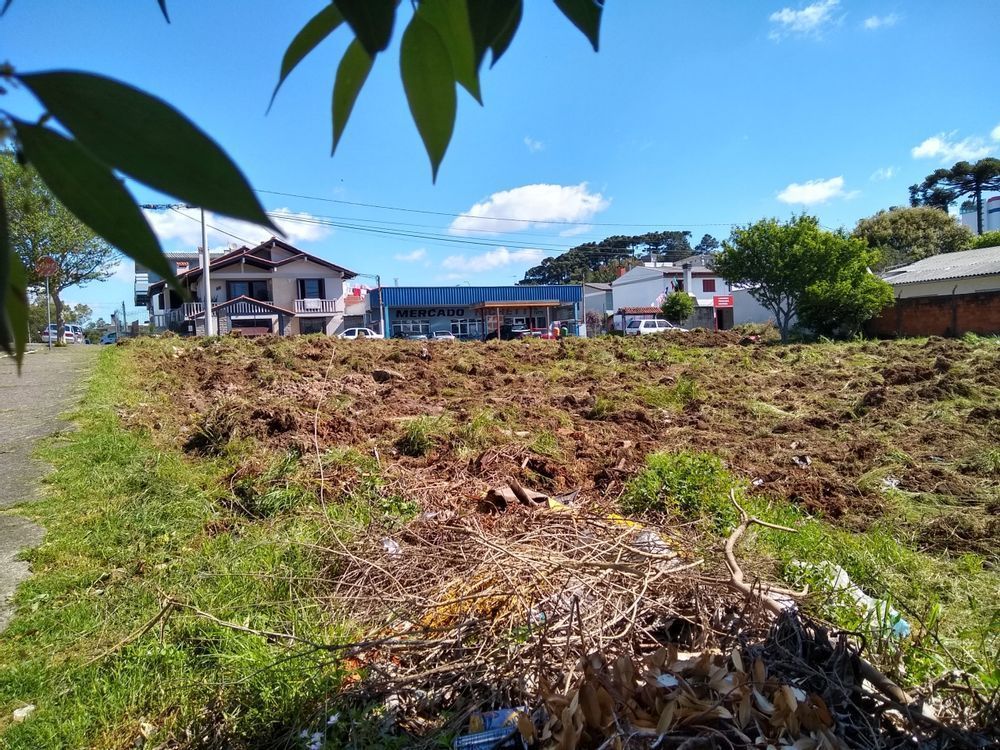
{"x": 484, "y": 218}
{"x": 211, "y": 226}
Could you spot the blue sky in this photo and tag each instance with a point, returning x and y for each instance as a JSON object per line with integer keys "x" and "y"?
{"x": 692, "y": 116}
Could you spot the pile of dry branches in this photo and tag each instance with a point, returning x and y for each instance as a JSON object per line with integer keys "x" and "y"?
{"x": 580, "y": 620}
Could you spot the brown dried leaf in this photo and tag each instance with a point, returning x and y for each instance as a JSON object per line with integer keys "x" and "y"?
{"x": 525, "y": 728}
{"x": 666, "y": 718}
{"x": 590, "y": 707}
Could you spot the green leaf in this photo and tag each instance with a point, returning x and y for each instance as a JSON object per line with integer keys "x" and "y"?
{"x": 14, "y": 313}
{"x": 585, "y": 15}
{"x": 430, "y": 86}
{"x": 351, "y": 76}
{"x": 5, "y": 6}
{"x": 5, "y": 254}
{"x": 147, "y": 139}
{"x": 451, "y": 19}
{"x": 319, "y": 28}
{"x": 493, "y": 24}
{"x": 163, "y": 8}
{"x": 371, "y": 21}
{"x": 93, "y": 194}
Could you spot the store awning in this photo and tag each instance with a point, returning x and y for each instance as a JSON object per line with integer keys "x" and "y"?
{"x": 516, "y": 304}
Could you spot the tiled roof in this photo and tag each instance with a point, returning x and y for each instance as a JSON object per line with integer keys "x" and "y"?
{"x": 984, "y": 261}
{"x": 639, "y": 311}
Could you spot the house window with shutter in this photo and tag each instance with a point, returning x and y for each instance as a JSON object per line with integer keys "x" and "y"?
{"x": 708, "y": 285}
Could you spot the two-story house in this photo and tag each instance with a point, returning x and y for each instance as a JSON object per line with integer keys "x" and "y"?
{"x": 271, "y": 288}
{"x": 640, "y": 291}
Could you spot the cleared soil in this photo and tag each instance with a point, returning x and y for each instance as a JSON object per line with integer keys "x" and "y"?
{"x": 840, "y": 429}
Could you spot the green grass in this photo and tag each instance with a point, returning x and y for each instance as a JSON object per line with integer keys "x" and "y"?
{"x": 949, "y": 601}
{"x": 129, "y": 523}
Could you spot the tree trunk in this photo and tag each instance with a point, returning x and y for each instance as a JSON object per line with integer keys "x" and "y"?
{"x": 58, "y": 303}
{"x": 979, "y": 209}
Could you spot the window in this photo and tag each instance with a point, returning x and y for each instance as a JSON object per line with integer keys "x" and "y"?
{"x": 708, "y": 285}
{"x": 312, "y": 325}
{"x": 311, "y": 289}
{"x": 256, "y": 289}
{"x": 634, "y": 323}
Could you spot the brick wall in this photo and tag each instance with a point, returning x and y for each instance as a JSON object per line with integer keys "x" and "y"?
{"x": 950, "y": 315}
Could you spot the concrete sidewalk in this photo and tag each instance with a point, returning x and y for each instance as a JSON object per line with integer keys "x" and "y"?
{"x": 50, "y": 383}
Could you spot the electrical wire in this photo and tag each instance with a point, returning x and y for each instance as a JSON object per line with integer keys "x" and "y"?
{"x": 384, "y": 207}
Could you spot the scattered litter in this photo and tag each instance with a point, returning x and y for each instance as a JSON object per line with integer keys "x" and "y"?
{"x": 890, "y": 483}
{"x": 802, "y": 462}
{"x": 506, "y": 728}
{"x": 758, "y": 482}
{"x": 391, "y": 547}
{"x": 24, "y": 712}
{"x": 879, "y": 611}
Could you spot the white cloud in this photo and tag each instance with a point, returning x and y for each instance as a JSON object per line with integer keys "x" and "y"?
{"x": 815, "y": 191}
{"x": 883, "y": 173}
{"x": 995, "y": 133}
{"x": 808, "y": 21}
{"x": 411, "y": 257}
{"x": 881, "y": 22}
{"x": 943, "y": 147}
{"x": 534, "y": 146}
{"x": 534, "y": 206}
{"x": 181, "y": 229}
{"x": 491, "y": 260}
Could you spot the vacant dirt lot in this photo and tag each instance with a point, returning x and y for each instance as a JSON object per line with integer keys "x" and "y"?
{"x": 845, "y": 431}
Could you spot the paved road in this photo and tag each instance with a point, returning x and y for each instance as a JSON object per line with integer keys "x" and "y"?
{"x": 30, "y": 405}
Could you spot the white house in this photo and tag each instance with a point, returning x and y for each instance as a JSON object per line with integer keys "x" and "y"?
{"x": 645, "y": 287}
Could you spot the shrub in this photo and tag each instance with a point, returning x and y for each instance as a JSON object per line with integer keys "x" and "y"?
{"x": 693, "y": 485}
{"x": 678, "y": 306}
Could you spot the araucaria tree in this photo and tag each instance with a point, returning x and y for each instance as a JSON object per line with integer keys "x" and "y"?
{"x": 40, "y": 226}
{"x": 795, "y": 269}
{"x": 943, "y": 187}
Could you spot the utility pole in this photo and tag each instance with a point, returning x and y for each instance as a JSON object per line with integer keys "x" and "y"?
{"x": 124, "y": 320}
{"x": 205, "y": 259}
{"x": 205, "y": 263}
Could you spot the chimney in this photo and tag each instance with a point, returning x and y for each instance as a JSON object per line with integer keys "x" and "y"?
{"x": 687, "y": 278}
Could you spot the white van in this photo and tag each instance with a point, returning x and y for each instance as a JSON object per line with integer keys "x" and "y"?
{"x": 72, "y": 334}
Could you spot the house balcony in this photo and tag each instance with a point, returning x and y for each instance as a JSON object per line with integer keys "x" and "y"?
{"x": 315, "y": 307}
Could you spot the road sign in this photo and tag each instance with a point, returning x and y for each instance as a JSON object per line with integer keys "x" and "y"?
{"x": 46, "y": 266}
{"x": 722, "y": 300}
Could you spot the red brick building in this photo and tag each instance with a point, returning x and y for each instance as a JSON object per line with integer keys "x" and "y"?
{"x": 944, "y": 295}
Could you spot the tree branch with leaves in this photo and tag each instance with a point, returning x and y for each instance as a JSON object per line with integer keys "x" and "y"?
{"x": 109, "y": 128}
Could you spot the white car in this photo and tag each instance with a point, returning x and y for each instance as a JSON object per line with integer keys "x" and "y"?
{"x": 360, "y": 333}
{"x": 72, "y": 334}
{"x": 442, "y": 336}
{"x": 646, "y": 327}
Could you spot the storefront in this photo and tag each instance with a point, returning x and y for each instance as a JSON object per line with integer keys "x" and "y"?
{"x": 470, "y": 311}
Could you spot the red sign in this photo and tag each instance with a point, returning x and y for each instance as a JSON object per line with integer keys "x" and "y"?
{"x": 722, "y": 300}
{"x": 46, "y": 266}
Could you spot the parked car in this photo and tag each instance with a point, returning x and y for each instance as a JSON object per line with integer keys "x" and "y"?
{"x": 360, "y": 333}
{"x": 646, "y": 327}
{"x": 72, "y": 334}
{"x": 109, "y": 338}
{"x": 442, "y": 336}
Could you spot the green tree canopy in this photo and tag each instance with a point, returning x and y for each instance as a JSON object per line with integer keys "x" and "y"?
{"x": 942, "y": 187}
{"x": 707, "y": 244}
{"x": 987, "y": 239}
{"x": 905, "y": 235}
{"x": 602, "y": 261}
{"x": 795, "y": 269}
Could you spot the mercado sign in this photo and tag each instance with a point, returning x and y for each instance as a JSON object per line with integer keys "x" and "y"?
{"x": 428, "y": 312}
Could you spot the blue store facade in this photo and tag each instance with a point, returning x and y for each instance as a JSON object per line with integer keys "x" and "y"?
{"x": 472, "y": 311}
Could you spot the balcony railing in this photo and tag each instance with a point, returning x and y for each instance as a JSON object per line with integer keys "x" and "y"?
{"x": 191, "y": 308}
{"x": 315, "y": 306}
